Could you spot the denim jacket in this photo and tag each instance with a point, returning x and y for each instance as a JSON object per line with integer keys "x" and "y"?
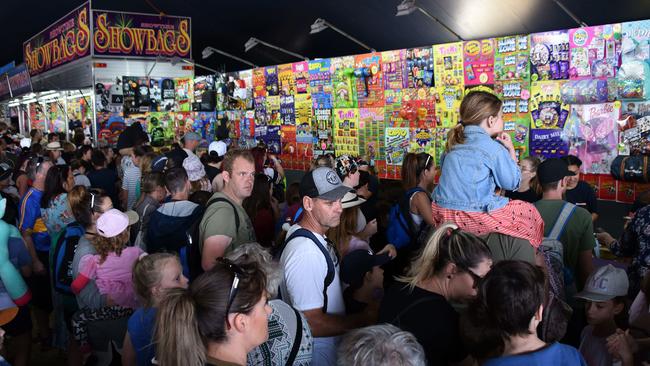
{"x": 472, "y": 171}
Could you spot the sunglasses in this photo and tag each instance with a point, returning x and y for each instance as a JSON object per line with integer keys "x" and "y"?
{"x": 476, "y": 278}
{"x": 237, "y": 272}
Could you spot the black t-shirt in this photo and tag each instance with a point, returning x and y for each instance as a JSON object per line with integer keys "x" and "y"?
{"x": 432, "y": 321}
{"x": 105, "y": 179}
{"x": 211, "y": 172}
{"x": 352, "y": 306}
{"x": 583, "y": 195}
{"x": 528, "y": 196}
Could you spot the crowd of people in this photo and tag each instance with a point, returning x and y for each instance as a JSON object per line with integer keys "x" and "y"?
{"x": 178, "y": 256}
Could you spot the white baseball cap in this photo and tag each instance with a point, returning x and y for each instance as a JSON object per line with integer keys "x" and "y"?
{"x": 219, "y": 147}
{"x": 605, "y": 284}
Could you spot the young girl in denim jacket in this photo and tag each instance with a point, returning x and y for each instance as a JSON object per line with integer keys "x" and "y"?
{"x": 479, "y": 160}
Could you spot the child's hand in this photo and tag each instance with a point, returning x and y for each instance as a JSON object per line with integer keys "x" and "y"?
{"x": 390, "y": 250}
{"x": 506, "y": 141}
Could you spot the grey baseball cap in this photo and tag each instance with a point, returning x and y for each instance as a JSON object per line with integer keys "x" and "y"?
{"x": 191, "y": 136}
{"x": 604, "y": 284}
{"x": 323, "y": 183}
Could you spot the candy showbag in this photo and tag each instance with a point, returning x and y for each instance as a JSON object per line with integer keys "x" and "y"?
{"x": 593, "y": 135}
{"x": 587, "y": 91}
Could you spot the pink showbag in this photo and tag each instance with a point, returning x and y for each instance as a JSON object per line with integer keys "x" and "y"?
{"x": 593, "y": 135}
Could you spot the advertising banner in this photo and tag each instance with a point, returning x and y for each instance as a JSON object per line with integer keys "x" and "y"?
{"x": 66, "y": 40}
{"x": 19, "y": 80}
{"x": 141, "y": 35}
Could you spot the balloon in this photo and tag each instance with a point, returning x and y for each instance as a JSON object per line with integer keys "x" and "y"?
{"x": 9, "y": 275}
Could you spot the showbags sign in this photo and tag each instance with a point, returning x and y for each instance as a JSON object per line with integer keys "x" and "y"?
{"x": 64, "y": 41}
{"x": 141, "y": 35}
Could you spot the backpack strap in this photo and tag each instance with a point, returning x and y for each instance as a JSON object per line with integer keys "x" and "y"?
{"x": 223, "y": 199}
{"x": 296, "y": 340}
{"x": 331, "y": 269}
{"x": 405, "y": 208}
{"x": 561, "y": 221}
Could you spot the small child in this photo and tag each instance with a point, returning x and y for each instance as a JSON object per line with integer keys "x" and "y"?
{"x": 79, "y": 169}
{"x": 362, "y": 271}
{"x": 605, "y": 292}
{"x": 111, "y": 268}
{"x": 153, "y": 193}
{"x": 480, "y": 160}
{"x": 152, "y": 275}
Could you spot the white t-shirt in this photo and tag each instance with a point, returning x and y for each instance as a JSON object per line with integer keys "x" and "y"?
{"x": 305, "y": 269}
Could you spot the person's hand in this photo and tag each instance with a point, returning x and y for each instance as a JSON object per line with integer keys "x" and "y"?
{"x": 370, "y": 229}
{"x": 39, "y": 268}
{"x": 390, "y": 249}
{"x": 505, "y": 139}
{"x": 619, "y": 345}
{"x": 605, "y": 239}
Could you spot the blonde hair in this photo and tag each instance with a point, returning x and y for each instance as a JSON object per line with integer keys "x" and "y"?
{"x": 474, "y": 109}
{"x": 147, "y": 274}
{"x": 447, "y": 244}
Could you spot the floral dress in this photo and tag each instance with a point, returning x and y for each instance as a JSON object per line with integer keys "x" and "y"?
{"x": 57, "y": 215}
{"x": 635, "y": 243}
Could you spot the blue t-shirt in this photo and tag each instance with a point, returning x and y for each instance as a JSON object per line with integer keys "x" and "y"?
{"x": 30, "y": 219}
{"x": 556, "y": 354}
{"x": 140, "y": 329}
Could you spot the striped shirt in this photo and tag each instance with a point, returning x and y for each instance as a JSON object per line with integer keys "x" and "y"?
{"x": 131, "y": 181}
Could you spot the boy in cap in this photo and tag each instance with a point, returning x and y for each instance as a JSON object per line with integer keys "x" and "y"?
{"x": 362, "y": 271}
{"x": 605, "y": 293}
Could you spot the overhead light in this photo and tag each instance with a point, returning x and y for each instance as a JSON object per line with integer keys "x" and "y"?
{"x": 321, "y": 24}
{"x": 406, "y": 7}
{"x": 13, "y": 104}
{"x": 30, "y": 100}
{"x": 252, "y": 42}
{"x": 209, "y": 51}
{"x": 409, "y": 6}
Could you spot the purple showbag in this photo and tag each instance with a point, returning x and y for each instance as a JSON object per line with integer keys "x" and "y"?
{"x": 548, "y": 143}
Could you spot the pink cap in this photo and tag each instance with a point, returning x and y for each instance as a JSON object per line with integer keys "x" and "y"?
{"x": 112, "y": 223}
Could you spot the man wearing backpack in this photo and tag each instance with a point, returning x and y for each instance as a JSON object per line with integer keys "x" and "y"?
{"x": 170, "y": 226}
{"x": 225, "y": 224}
{"x": 576, "y": 236}
{"x": 311, "y": 268}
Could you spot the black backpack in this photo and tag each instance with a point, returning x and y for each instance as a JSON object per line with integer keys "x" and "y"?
{"x": 331, "y": 268}
{"x": 62, "y": 257}
{"x": 194, "y": 239}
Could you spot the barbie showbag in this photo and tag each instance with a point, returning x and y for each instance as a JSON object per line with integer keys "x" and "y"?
{"x": 592, "y": 132}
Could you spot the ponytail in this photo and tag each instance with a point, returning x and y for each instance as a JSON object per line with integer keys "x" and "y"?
{"x": 178, "y": 341}
{"x": 447, "y": 244}
{"x": 456, "y": 136}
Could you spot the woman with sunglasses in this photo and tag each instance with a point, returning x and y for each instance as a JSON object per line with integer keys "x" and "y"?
{"x": 448, "y": 269}
{"x": 218, "y": 320}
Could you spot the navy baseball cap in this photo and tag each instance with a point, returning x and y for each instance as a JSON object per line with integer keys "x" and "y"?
{"x": 358, "y": 262}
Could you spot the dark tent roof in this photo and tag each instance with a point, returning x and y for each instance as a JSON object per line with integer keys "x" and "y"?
{"x": 227, "y": 25}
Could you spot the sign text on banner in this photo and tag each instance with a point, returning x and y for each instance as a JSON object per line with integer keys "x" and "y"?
{"x": 140, "y": 35}
{"x": 64, "y": 41}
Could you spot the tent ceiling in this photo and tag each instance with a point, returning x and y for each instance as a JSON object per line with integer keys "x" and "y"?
{"x": 227, "y": 25}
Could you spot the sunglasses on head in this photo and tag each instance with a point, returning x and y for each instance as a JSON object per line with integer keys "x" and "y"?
{"x": 237, "y": 272}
